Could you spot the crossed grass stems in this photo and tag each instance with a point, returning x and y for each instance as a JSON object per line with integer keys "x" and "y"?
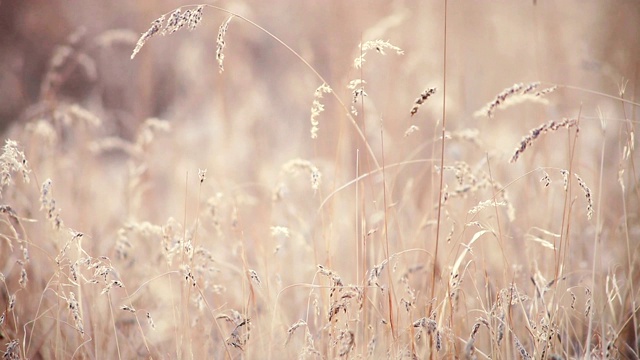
{"x": 342, "y": 296}
{"x": 514, "y": 94}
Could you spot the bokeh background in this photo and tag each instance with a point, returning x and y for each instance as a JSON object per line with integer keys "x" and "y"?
{"x": 245, "y": 123}
{"x": 260, "y": 104}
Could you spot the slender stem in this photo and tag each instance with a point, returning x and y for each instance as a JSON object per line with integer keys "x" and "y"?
{"x": 597, "y": 93}
{"x": 444, "y": 119}
{"x": 391, "y": 294}
{"x": 440, "y": 188}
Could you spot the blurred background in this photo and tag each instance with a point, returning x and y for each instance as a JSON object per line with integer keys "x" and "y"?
{"x": 491, "y": 45}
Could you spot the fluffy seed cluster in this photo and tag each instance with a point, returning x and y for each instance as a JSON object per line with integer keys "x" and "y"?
{"x": 357, "y": 91}
{"x": 177, "y": 20}
{"x": 317, "y": 108}
{"x": 12, "y": 160}
{"x": 379, "y": 46}
{"x": 295, "y": 166}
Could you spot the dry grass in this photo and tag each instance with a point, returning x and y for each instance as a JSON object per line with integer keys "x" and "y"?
{"x": 408, "y": 235}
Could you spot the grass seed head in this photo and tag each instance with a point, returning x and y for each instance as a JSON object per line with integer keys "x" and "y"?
{"x": 421, "y": 99}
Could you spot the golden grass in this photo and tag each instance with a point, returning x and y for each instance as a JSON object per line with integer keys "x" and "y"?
{"x": 192, "y": 240}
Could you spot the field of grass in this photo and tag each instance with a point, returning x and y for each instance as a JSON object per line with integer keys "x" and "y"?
{"x": 320, "y": 180}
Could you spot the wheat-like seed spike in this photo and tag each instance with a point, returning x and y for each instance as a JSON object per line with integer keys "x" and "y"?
{"x": 254, "y": 276}
{"x": 530, "y": 87}
{"x": 501, "y": 327}
{"x": 521, "y": 350}
{"x": 421, "y": 99}
{"x": 537, "y": 131}
{"x": 516, "y": 93}
{"x": 150, "y": 321}
{"x": 317, "y": 108}
{"x": 156, "y": 25}
{"x": 128, "y": 308}
{"x": 587, "y": 195}
{"x": 484, "y": 204}
{"x": 500, "y": 98}
{"x": 546, "y": 180}
{"x": 565, "y": 179}
{"x": 75, "y": 311}
{"x": 177, "y": 20}
{"x": 23, "y": 278}
{"x": 347, "y": 342}
{"x": 546, "y": 91}
{"x": 12, "y": 303}
{"x": 13, "y": 350}
{"x": 470, "y": 349}
{"x": 173, "y": 23}
{"x": 293, "y": 328}
{"x": 357, "y": 91}
{"x": 220, "y": 43}
{"x": 195, "y": 18}
{"x": 12, "y": 160}
{"x": 202, "y": 175}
